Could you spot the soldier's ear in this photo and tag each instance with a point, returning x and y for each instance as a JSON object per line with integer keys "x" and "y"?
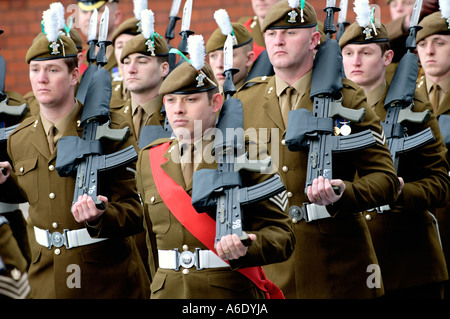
{"x": 164, "y": 67}
{"x": 388, "y": 56}
{"x": 217, "y": 102}
{"x": 75, "y": 76}
{"x": 315, "y": 38}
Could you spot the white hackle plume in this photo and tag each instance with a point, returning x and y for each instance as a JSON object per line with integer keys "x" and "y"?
{"x": 223, "y": 21}
{"x": 59, "y": 9}
{"x": 444, "y": 7}
{"x": 362, "y": 10}
{"x": 138, "y": 7}
{"x": 197, "y": 52}
{"x": 294, "y": 3}
{"x": 50, "y": 20}
{"x": 147, "y": 23}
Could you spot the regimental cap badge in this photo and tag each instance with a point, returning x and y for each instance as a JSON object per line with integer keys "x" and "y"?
{"x": 364, "y": 18}
{"x": 148, "y": 30}
{"x": 51, "y": 31}
{"x": 292, "y": 15}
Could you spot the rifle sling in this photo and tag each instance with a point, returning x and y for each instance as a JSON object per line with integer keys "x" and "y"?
{"x": 202, "y": 226}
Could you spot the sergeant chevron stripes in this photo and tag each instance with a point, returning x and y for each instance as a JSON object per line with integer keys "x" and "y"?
{"x": 281, "y": 200}
{"x": 380, "y": 138}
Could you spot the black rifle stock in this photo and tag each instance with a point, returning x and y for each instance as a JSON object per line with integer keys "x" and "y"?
{"x": 222, "y": 189}
{"x": 399, "y": 103}
{"x": 314, "y": 130}
{"x": 84, "y": 156}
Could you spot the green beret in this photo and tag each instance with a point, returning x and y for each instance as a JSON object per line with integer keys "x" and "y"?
{"x": 185, "y": 79}
{"x": 139, "y": 44}
{"x": 281, "y": 16}
{"x": 217, "y": 39}
{"x": 432, "y": 24}
{"x": 129, "y": 26}
{"x": 354, "y": 34}
{"x": 42, "y": 49}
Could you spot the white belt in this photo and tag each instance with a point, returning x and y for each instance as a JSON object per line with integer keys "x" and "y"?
{"x": 69, "y": 238}
{"x": 6, "y": 208}
{"x": 173, "y": 259}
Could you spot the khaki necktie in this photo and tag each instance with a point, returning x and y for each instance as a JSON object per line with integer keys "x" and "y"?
{"x": 51, "y": 138}
{"x": 137, "y": 118}
{"x": 435, "y": 100}
{"x": 188, "y": 161}
{"x": 286, "y": 107}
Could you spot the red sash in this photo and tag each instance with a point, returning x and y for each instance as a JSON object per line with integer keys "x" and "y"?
{"x": 256, "y": 48}
{"x": 202, "y": 226}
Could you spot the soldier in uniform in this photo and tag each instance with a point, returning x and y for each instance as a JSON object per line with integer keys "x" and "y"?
{"x": 115, "y": 18}
{"x": 405, "y": 236}
{"x": 188, "y": 101}
{"x": 243, "y": 55}
{"x": 126, "y": 31}
{"x": 78, "y": 251}
{"x": 144, "y": 72}
{"x": 332, "y": 255}
{"x": 13, "y": 266}
{"x": 433, "y": 48}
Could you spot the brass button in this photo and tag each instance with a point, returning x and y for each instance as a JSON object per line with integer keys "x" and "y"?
{"x": 51, "y": 168}
{"x": 55, "y": 225}
{"x": 21, "y": 169}
{"x": 289, "y": 194}
{"x": 285, "y": 169}
{"x": 57, "y": 251}
{"x": 283, "y": 141}
{"x": 185, "y": 247}
{"x": 185, "y": 271}
{"x": 152, "y": 200}
{"x": 368, "y": 217}
{"x": 52, "y": 195}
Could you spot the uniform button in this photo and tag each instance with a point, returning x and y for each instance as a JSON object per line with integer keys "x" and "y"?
{"x": 55, "y": 225}
{"x": 285, "y": 169}
{"x": 185, "y": 247}
{"x": 152, "y": 200}
{"x": 368, "y": 217}
{"x": 52, "y": 195}
{"x": 185, "y": 271}
{"x": 21, "y": 169}
{"x": 283, "y": 142}
{"x": 57, "y": 251}
{"x": 264, "y": 78}
{"x": 289, "y": 194}
{"x": 16, "y": 274}
{"x": 51, "y": 168}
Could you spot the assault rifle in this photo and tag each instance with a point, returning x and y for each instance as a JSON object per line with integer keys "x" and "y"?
{"x": 314, "y": 131}
{"x": 400, "y": 100}
{"x": 84, "y": 156}
{"x": 222, "y": 189}
{"x": 150, "y": 133}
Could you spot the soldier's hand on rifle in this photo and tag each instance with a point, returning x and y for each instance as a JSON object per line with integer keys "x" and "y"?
{"x": 5, "y": 171}
{"x": 321, "y": 191}
{"x": 230, "y": 247}
{"x": 84, "y": 210}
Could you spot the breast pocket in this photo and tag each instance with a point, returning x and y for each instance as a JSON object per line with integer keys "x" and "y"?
{"x": 27, "y": 176}
{"x": 158, "y": 211}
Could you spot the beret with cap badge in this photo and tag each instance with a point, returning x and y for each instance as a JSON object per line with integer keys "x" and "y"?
{"x": 289, "y": 14}
{"x": 436, "y": 23}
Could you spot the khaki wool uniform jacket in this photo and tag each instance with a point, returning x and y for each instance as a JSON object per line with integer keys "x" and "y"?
{"x": 443, "y": 213}
{"x": 406, "y": 239}
{"x": 331, "y": 255}
{"x": 274, "y": 242}
{"x": 124, "y": 108}
{"x": 108, "y": 269}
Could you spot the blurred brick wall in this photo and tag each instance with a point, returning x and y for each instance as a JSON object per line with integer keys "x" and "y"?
{"x": 20, "y": 20}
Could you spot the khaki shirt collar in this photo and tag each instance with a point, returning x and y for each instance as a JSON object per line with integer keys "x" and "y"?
{"x": 376, "y": 94}
{"x": 149, "y": 107}
{"x": 444, "y": 84}
{"x": 301, "y": 85}
{"x": 62, "y": 123}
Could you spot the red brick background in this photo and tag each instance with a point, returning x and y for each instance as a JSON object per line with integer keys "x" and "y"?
{"x": 20, "y": 20}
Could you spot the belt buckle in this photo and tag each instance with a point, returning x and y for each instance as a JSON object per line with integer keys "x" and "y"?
{"x": 187, "y": 259}
{"x": 57, "y": 239}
